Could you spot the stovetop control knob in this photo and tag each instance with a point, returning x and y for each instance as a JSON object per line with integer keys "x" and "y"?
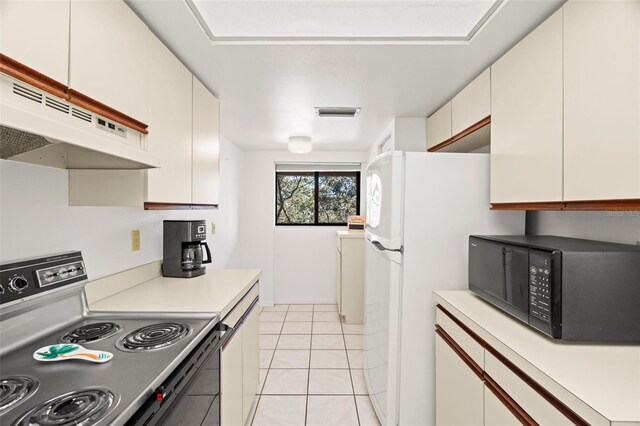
{"x": 18, "y": 284}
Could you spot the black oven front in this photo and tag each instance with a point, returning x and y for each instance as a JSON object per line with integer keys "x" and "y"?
{"x": 191, "y": 394}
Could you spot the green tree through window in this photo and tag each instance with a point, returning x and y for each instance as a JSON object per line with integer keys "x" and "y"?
{"x": 316, "y": 198}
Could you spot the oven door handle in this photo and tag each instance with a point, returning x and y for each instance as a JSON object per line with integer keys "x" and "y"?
{"x": 225, "y": 332}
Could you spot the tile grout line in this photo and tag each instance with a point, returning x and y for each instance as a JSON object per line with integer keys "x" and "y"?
{"x": 355, "y": 401}
{"x": 268, "y": 369}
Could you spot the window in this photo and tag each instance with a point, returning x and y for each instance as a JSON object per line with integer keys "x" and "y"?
{"x": 316, "y": 198}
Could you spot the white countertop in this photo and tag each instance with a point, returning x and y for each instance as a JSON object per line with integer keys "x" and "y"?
{"x": 217, "y": 291}
{"x": 592, "y": 379}
{"x": 350, "y": 233}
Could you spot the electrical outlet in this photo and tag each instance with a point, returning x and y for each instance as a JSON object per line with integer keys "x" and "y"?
{"x": 213, "y": 228}
{"x": 135, "y": 240}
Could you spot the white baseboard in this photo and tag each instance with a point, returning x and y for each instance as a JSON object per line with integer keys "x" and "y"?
{"x": 305, "y": 302}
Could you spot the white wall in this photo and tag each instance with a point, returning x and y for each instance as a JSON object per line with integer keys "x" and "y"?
{"x": 35, "y": 219}
{"x": 618, "y": 227}
{"x": 298, "y": 263}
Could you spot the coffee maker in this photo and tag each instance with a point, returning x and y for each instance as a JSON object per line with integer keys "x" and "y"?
{"x": 183, "y": 241}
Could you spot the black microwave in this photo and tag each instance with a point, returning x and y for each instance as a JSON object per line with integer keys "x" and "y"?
{"x": 567, "y": 288}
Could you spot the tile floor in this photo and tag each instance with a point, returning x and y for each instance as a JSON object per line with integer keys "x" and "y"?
{"x": 310, "y": 369}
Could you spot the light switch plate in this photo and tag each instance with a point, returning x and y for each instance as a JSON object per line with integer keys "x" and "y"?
{"x": 135, "y": 240}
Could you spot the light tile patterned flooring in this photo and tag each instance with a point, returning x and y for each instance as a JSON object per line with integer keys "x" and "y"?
{"x": 310, "y": 369}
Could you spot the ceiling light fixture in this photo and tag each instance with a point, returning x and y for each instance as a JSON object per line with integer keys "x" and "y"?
{"x": 300, "y": 144}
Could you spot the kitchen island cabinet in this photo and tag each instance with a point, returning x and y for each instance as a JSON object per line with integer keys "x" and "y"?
{"x": 528, "y": 377}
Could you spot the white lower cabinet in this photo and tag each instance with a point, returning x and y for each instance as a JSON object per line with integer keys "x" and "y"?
{"x": 239, "y": 376}
{"x": 250, "y": 352}
{"x": 496, "y": 413}
{"x": 231, "y": 381}
{"x": 350, "y": 278}
{"x": 459, "y": 390}
{"x": 468, "y": 383}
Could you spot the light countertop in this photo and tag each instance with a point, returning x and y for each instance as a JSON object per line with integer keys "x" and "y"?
{"x": 217, "y": 291}
{"x": 350, "y": 233}
{"x": 595, "y": 380}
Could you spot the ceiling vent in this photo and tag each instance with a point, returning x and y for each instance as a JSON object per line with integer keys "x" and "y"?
{"x": 337, "y": 112}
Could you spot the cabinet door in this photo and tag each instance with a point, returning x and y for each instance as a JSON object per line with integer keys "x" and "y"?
{"x": 169, "y": 126}
{"x": 36, "y": 33}
{"x": 459, "y": 391}
{"x": 250, "y": 360}
{"x": 439, "y": 126}
{"x": 496, "y": 413}
{"x": 472, "y": 104}
{"x": 206, "y": 145}
{"x": 352, "y": 281}
{"x": 231, "y": 381}
{"x": 339, "y": 279}
{"x": 601, "y": 100}
{"x": 526, "y": 118}
{"x": 108, "y": 55}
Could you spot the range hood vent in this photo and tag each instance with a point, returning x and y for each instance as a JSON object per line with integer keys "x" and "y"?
{"x": 14, "y": 142}
{"x": 40, "y": 128}
{"x": 344, "y": 112}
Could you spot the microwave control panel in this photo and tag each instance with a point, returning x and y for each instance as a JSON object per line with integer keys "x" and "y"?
{"x": 539, "y": 286}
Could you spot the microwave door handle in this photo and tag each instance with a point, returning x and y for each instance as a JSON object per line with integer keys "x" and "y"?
{"x": 506, "y": 268}
{"x": 206, "y": 247}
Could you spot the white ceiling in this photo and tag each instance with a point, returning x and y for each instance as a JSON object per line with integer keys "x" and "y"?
{"x": 250, "y": 20}
{"x": 268, "y": 92}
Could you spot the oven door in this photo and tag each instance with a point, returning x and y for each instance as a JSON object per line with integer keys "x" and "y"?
{"x": 191, "y": 395}
{"x": 499, "y": 273}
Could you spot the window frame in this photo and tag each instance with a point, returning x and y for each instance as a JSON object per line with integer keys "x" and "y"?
{"x": 316, "y": 175}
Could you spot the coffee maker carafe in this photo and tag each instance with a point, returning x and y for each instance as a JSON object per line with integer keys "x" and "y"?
{"x": 183, "y": 243}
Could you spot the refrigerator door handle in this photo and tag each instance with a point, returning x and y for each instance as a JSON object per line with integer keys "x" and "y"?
{"x": 378, "y": 246}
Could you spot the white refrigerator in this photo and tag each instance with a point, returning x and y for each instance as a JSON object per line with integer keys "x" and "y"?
{"x": 421, "y": 209}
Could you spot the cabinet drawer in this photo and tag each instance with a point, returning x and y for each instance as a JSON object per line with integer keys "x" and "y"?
{"x": 234, "y": 316}
{"x": 461, "y": 337}
{"x": 541, "y": 410}
{"x": 250, "y": 297}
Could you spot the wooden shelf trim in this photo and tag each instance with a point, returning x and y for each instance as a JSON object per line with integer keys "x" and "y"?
{"x": 179, "y": 206}
{"x": 106, "y": 111}
{"x": 571, "y": 415}
{"x": 21, "y": 72}
{"x": 509, "y": 402}
{"x": 466, "y": 132}
{"x": 584, "y": 205}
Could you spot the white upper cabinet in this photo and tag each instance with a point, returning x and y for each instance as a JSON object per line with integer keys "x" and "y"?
{"x": 472, "y": 104}
{"x": 206, "y": 145}
{"x": 170, "y": 119}
{"x": 108, "y": 55}
{"x": 439, "y": 126}
{"x": 36, "y": 33}
{"x": 601, "y": 100}
{"x": 527, "y": 119}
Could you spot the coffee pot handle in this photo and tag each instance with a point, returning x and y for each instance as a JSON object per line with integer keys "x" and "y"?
{"x": 206, "y": 247}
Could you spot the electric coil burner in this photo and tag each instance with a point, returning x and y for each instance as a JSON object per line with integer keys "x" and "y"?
{"x": 155, "y": 336}
{"x": 79, "y": 408}
{"x": 158, "y": 356}
{"x": 16, "y": 389}
{"x": 91, "y": 332}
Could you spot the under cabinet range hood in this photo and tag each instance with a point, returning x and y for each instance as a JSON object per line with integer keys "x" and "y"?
{"x": 37, "y": 127}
